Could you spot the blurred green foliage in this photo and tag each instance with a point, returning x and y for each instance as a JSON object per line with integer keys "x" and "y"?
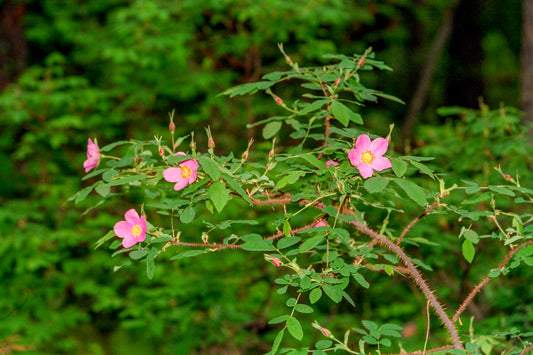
{"x": 113, "y": 69}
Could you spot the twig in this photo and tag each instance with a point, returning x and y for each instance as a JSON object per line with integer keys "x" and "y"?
{"x": 526, "y": 349}
{"x": 478, "y": 288}
{"x": 414, "y": 221}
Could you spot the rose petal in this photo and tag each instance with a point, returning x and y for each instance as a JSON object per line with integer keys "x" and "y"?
{"x": 381, "y": 163}
{"x": 192, "y": 177}
{"x": 90, "y": 164}
{"x": 172, "y": 174}
{"x": 122, "y": 229}
{"x": 365, "y": 170}
{"x": 132, "y": 216}
{"x": 191, "y": 163}
{"x": 92, "y": 150}
{"x": 142, "y": 224}
{"x": 181, "y": 184}
{"x": 362, "y": 143}
{"x": 355, "y": 157}
{"x": 129, "y": 242}
{"x": 379, "y": 146}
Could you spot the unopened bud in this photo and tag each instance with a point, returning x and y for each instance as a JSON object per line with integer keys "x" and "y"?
{"x": 244, "y": 155}
{"x": 338, "y": 81}
{"x": 276, "y": 261}
{"x": 278, "y": 100}
{"x": 161, "y": 152}
{"x": 193, "y": 145}
{"x": 271, "y": 153}
{"x": 211, "y": 143}
{"x": 172, "y": 127}
{"x": 361, "y": 61}
{"x": 326, "y": 332}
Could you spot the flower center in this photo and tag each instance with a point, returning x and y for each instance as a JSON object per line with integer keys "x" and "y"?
{"x": 367, "y": 157}
{"x": 136, "y": 230}
{"x": 185, "y": 172}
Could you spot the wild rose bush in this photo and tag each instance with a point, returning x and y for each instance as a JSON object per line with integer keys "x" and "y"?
{"x": 337, "y": 197}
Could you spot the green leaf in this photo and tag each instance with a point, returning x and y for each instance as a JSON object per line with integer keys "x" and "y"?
{"x": 83, "y": 194}
{"x": 471, "y": 236}
{"x": 295, "y": 328}
{"x": 236, "y": 187}
{"x": 187, "y": 254}
{"x": 311, "y": 243}
{"x": 311, "y": 159}
{"x": 415, "y": 192}
{"x": 277, "y": 341}
{"x": 422, "y": 168}
{"x": 313, "y": 106}
{"x": 279, "y": 319}
{"x": 501, "y": 190}
{"x": 399, "y": 166}
{"x": 126, "y": 180}
{"x": 468, "y": 250}
{"x": 259, "y": 245}
{"x": 332, "y": 292}
{"x": 303, "y": 308}
{"x": 315, "y": 295}
{"x": 271, "y": 129}
{"x": 104, "y": 239}
{"x": 323, "y": 344}
{"x": 369, "y": 325}
{"x": 344, "y": 115}
{"x": 138, "y": 254}
{"x": 219, "y": 195}
{"x": 210, "y": 167}
{"x": 288, "y": 241}
{"x": 376, "y": 184}
{"x": 102, "y": 189}
{"x": 286, "y": 228}
{"x": 361, "y": 280}
{"x": 150, "y": 264}
{"x": 476, "y": 199}
{"x": 187, "y": 215}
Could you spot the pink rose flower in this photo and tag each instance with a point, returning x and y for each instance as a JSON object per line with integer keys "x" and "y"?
{"x": 133, "y": 229}
{"x": 331, "y": 162}
{"x": 368, "y": 155}
{"x": 93, "y": 156}
{"x": 184, "y": 175}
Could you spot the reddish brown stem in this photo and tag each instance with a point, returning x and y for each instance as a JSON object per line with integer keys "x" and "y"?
{"x": 526, "y": 349}
{"x": 414, "y": 221}
{"x": 478, "y": 288}
{"x": 420, "y": 282}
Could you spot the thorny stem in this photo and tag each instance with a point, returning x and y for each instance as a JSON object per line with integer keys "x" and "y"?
{"x": 414, "y": 221}
{"x": 478, "y": 288}
{"x": 417, "y": 277}
{"x": 419, "y": 280}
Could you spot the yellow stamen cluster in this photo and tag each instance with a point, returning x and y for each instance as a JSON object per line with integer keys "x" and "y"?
{"x": 136, "y": 230}
{"x": 367, "y": 157}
